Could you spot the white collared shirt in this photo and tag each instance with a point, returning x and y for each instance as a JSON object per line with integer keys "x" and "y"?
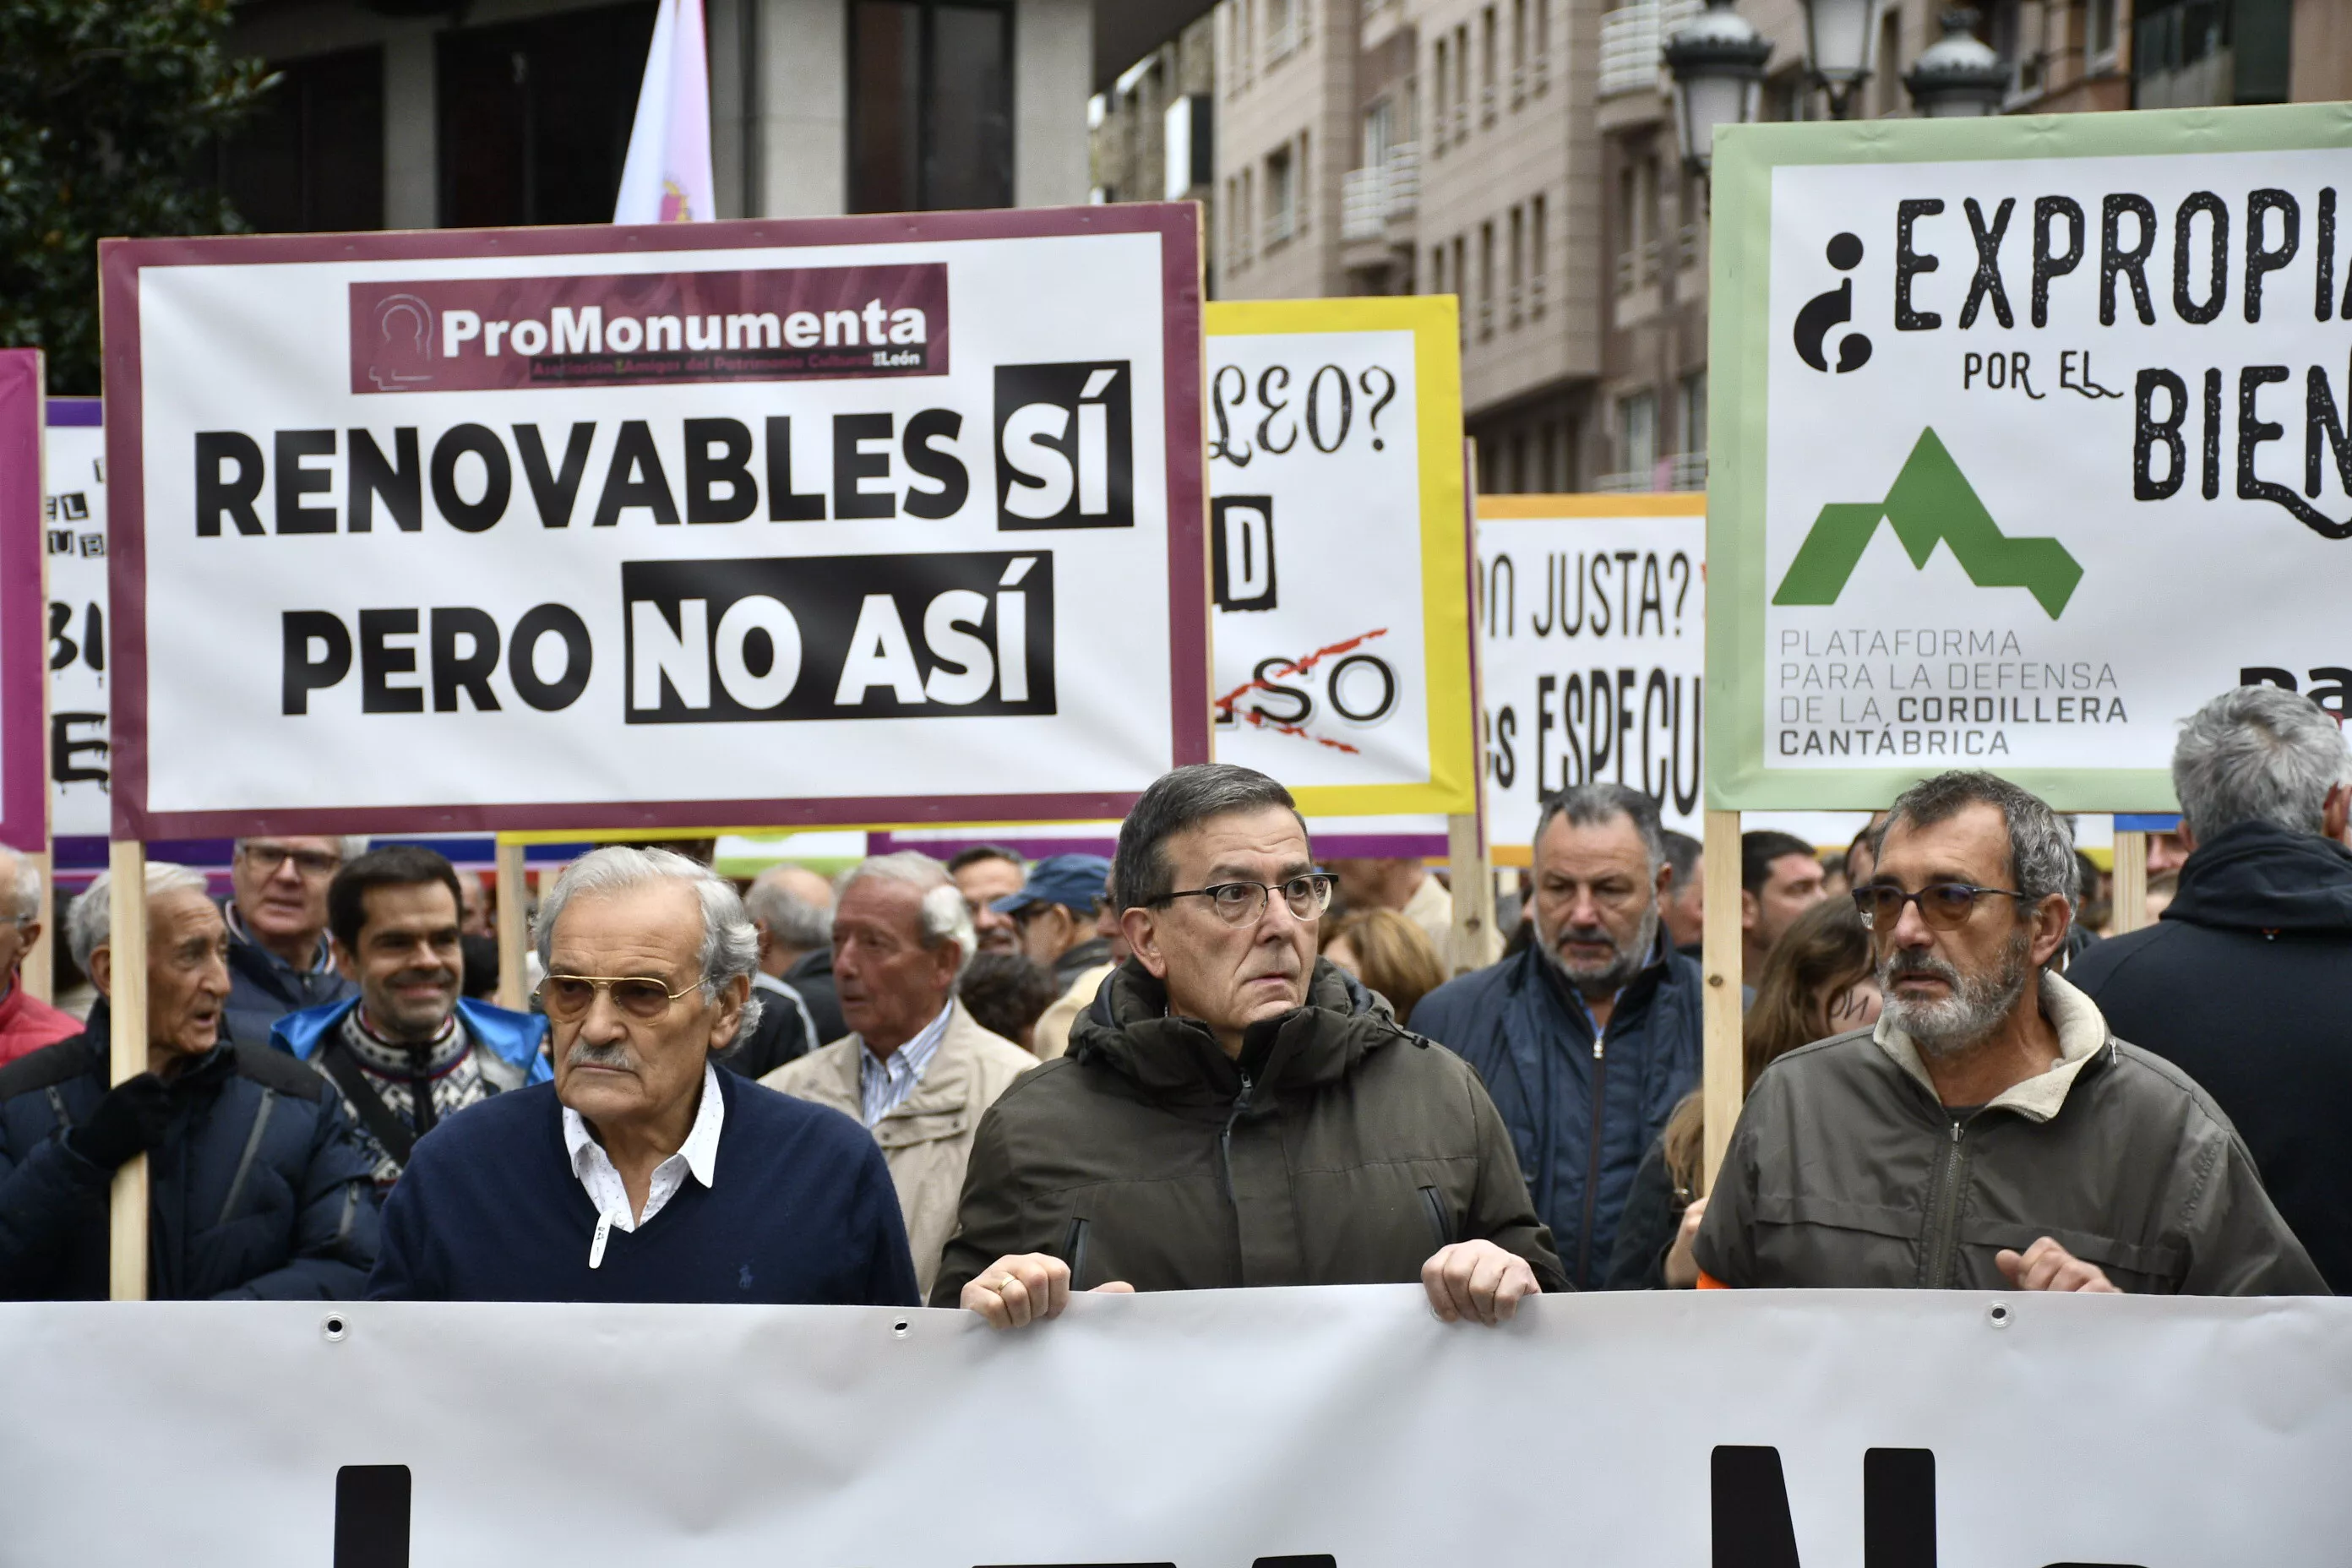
{"x": 884, "y": 1085}
{"x": 697, "y": 1157}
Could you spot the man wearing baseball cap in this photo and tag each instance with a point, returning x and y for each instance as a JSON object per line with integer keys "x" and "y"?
{"x": 1055, "y": 913}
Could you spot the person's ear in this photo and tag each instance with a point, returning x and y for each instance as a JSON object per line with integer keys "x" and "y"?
{"x": 2051, "y": 916}
{"x": 2334, "y": 816}
{"x": 347, "y": 962}
{"x": 101, "y": 970}
{"x": 2187, "y": 835}
{"x": 730, "y": 1002}
{"x": 1141, "y": 928}
{"x": 1666, "y": 889}
{"x": 29, "y": 933}
{"x": 1750, "y": 909}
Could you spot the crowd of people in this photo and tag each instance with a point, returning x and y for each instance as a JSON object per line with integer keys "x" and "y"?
{"x": 1214, "y": 1060}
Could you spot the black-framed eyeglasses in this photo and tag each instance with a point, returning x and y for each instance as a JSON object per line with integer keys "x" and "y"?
{"x": 1944, "y": 906}
{"x": 1240, "y": 903}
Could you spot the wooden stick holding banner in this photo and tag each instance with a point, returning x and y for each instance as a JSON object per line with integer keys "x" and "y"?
{"x": 2129, "y": 898}
{"x": 126, "y": 999}
{"x": 1471, "y": 871}
{"x": 1722, "y": 1058}
{"x": 514, "y": 926}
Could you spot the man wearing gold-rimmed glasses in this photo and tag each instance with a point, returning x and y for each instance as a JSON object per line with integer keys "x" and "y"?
{"x": 643, "y": 1173}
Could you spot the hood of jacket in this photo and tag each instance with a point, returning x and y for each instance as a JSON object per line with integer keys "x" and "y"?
{"x": 2262, "y": 878}
{"x": 513, "y": 1037}
{"x": 1131, "y": 1031}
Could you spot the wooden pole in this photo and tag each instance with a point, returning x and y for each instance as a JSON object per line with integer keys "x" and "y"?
{"x": 38, "y": 971}
{"x": 2130, "y": 901}
{"x": 514, "y": 927}
{"x": 1472, "y": 875}
{"x": 126, "y": 1001}
{"x": 1725, "y": 1060}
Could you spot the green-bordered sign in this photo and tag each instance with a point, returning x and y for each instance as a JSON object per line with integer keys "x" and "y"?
{"x": 2031, "y": 435}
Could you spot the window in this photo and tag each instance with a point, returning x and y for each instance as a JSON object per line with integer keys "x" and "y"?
{"x": 1379, "y": 134}
{"x": 931, "y": 105}
{"x": 1280, "y": 22}
{"x": 1518, "y": 264}
{"x": 2099, "y": 41}
{"x": 1487, "y": 49}
{"x": 1518, "y": 52}
{"x": 310, "y": 158}
{"x": 1887, "y": 76}
{"x": 1437, "y": 269}
{"x": 1302, "y": 195}
{"x": 1543, "y": 40}
{"x": 1637, "y": 432}
{"x": 1461, "y": 82}
{"x": 535, "y": 116}
{"x": 1281, "y": 198}
{"x": 1536, "y": 257}
{"x": 1486, "y": 279}
{"x": 1693, "y": 393}
{"x": 1461, "y": 287}
{"x": 1444, "y": 76}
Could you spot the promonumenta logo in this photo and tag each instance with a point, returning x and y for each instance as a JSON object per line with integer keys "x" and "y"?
{"x": 1931, "y": 503}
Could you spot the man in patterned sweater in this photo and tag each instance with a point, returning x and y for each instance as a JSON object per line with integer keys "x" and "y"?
{"x": 409, "y": 1051}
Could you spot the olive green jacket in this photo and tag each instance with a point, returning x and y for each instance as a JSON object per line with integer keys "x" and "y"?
{"x": 1341, "y": 1149}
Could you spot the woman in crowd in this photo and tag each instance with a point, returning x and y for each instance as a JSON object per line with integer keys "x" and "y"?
{"x": 1817, "y": 983}
{"x": 1389, "y": 954}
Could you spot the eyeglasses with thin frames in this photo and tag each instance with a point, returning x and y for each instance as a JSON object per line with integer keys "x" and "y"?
{"x": 564, "y": 997}
{"x": 309, "y": 862}
{"x": 1944, "y": 906}
{"x": 1240, "y": 903}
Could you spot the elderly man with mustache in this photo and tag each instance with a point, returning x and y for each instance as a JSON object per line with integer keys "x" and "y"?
{"x": 1235, "y": 1111}
{"x": 643, "y": 1174}
{"x": 1988, "y": 1131}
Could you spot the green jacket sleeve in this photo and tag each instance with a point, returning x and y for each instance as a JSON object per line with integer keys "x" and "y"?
{"x": 2238, "y": 1243}
{"x": 989, "y": 1217}
{"x": 1500, "y": 1209}
{"x": 1726, "y": 1246}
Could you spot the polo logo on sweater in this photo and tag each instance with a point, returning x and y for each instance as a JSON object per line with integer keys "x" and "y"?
{"x": 743, "y": 1280}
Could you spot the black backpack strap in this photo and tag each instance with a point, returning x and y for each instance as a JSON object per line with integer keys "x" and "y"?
{"x": 398, "y": 1138}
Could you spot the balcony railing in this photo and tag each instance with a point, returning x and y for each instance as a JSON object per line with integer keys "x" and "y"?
{"x": 1373, "y": 197}
{"x": 1682, "y": 471}
{"x": 1629, "y": 39}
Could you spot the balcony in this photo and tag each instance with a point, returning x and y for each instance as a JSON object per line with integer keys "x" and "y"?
{"x": 1373, "y": 198}
{"x": 1629, "y": 39}
{"x": 1683, "y": 471}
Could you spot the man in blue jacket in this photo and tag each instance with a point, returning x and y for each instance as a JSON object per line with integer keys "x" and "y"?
{"x": 256, "y": 1188}
{"x": 410, "y": 1050}
{"x": 1590, "y": 1036}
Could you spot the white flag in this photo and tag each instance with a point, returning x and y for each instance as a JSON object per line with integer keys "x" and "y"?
{"x": 668, "y": 176}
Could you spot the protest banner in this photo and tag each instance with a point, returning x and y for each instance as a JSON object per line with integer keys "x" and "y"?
{"x": 73, "y": 515}
{"x": 1592, "y": 618}
{"x": 24, "y": 664}
{"x": 1342, "y": 1427}
{"x": 768, "y": 522}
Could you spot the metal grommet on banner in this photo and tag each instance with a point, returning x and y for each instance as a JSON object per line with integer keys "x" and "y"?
{"x": 336, "y": 1327}
{"x": 901, "y": 1328}
{"x": 1997, "y": 1314}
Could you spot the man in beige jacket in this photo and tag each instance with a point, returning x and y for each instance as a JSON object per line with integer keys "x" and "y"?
{"x": 917, "y": 1070}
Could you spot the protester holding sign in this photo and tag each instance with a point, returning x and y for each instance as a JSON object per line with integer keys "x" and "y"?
{"x": 643, "y": 1172}
{"x": 1990, "y": 1112}
{"x": 279, "y": 958}
{"x": 1234, "y": 1113}
{"x": 258, "y": 1189}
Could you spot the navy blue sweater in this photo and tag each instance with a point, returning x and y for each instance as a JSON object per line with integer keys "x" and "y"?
{"x": 800, "y": 1211}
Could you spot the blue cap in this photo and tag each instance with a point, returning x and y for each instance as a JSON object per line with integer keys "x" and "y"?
{"x": 1074, "y": 882}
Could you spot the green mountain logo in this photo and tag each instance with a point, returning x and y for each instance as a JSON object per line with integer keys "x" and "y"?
{"x": 1931, "y": 503}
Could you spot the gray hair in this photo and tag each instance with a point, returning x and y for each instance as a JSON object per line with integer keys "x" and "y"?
{"x": 945, "y": 917}
{"x": 89, "y": 923}
{"x": 790, "y": 919}
{"x": 1141, "y": 874}
{"x": 2260, "y": 753}
{"x": 28, "y": 885}
{"x": 730, "y": 944}
{"x": 2040, "y": 842}
{"x": 1592, "y": 805}
{"x": 350, "y": 846}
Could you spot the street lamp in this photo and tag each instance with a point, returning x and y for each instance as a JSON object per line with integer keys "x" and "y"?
{"x": 1958, "y": 75}
{"x": 1838, "y": 38}
{"x": 1717, "y": 61}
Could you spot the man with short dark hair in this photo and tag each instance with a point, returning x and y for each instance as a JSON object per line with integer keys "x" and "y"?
{"x": 2245, "y": 984}
{"x": 410, "y": 1050}
{"x": 1683, "y": 905}
{"x": 1590, "y": 1036}
{"x": 1780, "y": 879}
{"x": 985, "y": 873}
{"x": 1235, "y": 1110}
{"x": 280, "y": 960}
{"x": 1988, "y": 1131}
{"x": 1055, "y": 915}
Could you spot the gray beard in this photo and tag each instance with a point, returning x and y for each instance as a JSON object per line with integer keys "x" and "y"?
{"x": 1978, "y": 1004}
{"x": 1620, "y": 971}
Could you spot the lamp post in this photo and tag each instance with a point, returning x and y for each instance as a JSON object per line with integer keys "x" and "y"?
{"x": 1839, "y": 35}
{"x": 1958, "y": 75}
{"x": 1718, "y": 63}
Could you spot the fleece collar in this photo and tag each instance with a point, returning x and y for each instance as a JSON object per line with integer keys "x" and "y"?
{"x": 2081, "y": 1033}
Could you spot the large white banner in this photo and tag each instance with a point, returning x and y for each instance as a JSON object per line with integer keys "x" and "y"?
{"x": 843, "y": 520}
{"x": 73, "y": 529}
{"x": 1216, "y": 1429}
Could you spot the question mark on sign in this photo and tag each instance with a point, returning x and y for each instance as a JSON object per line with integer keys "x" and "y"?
{"x": 1388, "y": 395}
{"x": 1683, "y": 562}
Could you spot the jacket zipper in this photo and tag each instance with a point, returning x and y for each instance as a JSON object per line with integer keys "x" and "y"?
{"x": 1225, "y": 1160}
{"x": 1441, "y": 1224}
{"x": 1592, "y": 1159}
{"x": 1944, "y": 1238}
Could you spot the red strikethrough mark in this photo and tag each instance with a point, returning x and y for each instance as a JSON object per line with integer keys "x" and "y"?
{"x": 1298, "y": 667}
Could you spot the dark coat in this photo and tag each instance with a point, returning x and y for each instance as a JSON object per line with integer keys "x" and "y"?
{"x": 264, "y": 988}
{"x": 258, "y": 1189}
{"x": 1581, "y": 1113}
{"x": 2246, "y": 985}
{"x": 1352, "y": 1152}
{"x": 812, "y": 978}
{"x": 1646, "y": 1230}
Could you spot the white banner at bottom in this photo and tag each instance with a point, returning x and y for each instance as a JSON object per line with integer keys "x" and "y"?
{"x": 1340, "y": 1427}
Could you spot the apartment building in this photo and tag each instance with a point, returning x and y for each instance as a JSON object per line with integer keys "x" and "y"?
{"x": 1152, "y": 129}
{"x": 437, "y": 113}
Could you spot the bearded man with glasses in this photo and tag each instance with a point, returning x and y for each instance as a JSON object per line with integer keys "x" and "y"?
{"x": 1235, "y": 1110}
{"x": 643, "y": 1173}
{"x": 1988, "y": 1131}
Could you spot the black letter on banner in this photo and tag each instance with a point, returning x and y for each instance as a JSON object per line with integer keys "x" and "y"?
{"x": 2320, "y": 419}
{"x": 850, "y": 465}
{"x": 578, "y": 657}
{"x": 372, "y": 1515}
{"x": 469, "y": 672}
{"x": 1749, "y": 1504}
{"x": 2149, "y": 431}
{"x": 497, "y": 478}
{"x": 731, "y": 466}
{"x": 379, "y": 661}
{"x": 294, "y": 481}
{"x": 1908, "y": 263}
{"x": 634, "y": 478}
{"x": 2260, "y": 257}
{"x": 785, "y": 503}
{"x": 2216, "y": 209}
{"x": 2047, "y": 263}
{"x": 552, "y": 491}
{"x": 1987, "y": 283}
{"x": 302, "y": 674}
{"x": 955, "y": 484}
{"x": 401, "y": 484}
{"x": 235, "y": 497}
{"x": 2116, "y": 261}
{"x": 1898, "y": 1508}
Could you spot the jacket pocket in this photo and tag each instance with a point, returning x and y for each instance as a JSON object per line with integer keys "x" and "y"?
{"x": 1441, "y": 1219}
{"x": 1073, "y": 1251}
